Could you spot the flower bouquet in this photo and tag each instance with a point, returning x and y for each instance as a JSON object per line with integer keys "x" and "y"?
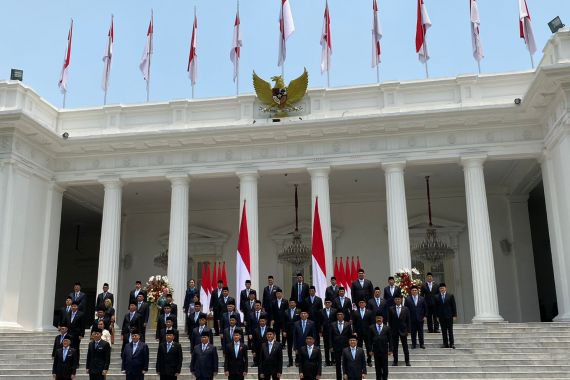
{"x": 404, "y": 279}
{"x": 154, "y": 287}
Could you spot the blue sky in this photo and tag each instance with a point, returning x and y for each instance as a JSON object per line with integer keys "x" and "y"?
{"x": 35, "y": 32}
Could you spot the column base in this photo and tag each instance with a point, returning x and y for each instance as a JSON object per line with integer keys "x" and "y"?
{"x": 10, "y": 326}
{"x": 487, "y": 318}
{"x": 562, "y": 318}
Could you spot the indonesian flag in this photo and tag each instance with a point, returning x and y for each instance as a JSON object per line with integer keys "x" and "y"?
{"x": 326, "y": 43}
{"x": 235, "y": 52}
{"x": 224, "y": 275}
{"x": 526, "y": 27}
{"x": 286, "y": 28}
{"x": 475, "y": 32}
{"x": 358, "y": 265}
{"x": 108, "y": 57}
{"x": 347, "y": 278}
{"x": 376, "y": 36}
{"x": 341, "y": 274}
{"x": 318, "y": 257}
{"x": 147, "y": 53}
{"x": 336, "y": 270}
{"x": 66, "y": 61}
{"x": 423, "y": 24}
{"x": 243, "y": 259}
{"x": 205, "y": 286}
{"x": 215, "y": 277}
{"x": 193, "y": 57}
{"x": 220, "y": 274}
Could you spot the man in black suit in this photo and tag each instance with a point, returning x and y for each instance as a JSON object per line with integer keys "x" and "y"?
{"x": 215, "y": 307}
{"x": 196, "y": 336}
{"x": 76, "y": 322}
{"x": 377, "y": 304}
{"x": 204, "y": 363}
{"x": 362, "y": 288}
{"x": 430, "y": 291}
{"x": 193, "y": 319}
{"x": 303, "y": 327}
{"x": 379, "y": 336}
{"x": 290, "y": 316}
{"x": 417, "y": 306}
{"x": 168, "y": 329}
{"x": 271, "y": 358}
{"x": 235, "y": 363}
{"x": 135, "y": 358}
{"x": 65, "y": 361}
{"x": 391, "y": 291}
{"x": 173, "y": 306}
{"x": 353, "y": 361}
{"x": 132, "y": 321}
{"x": 310, "y": 360}
{"x": 136, "y": 291}
{"x": 343, "y": 303}
{"x": 191, "y": 291}
{"x": 78, "y": 296}
{"x": 58, "y": 341}
{"x": 169, "y": 358}
{"x": 269, "y": 295}
{"x": 144, "y": 311}
{"x": 332, "y": 291}
{"x": 299, "y": 291}
{"x": 249, "y": 306}
{"x": 225, "y": 321}
{"x": 361, "y": 320}
{"x": 313, "y": 306}
{"x": 244, "y": 295}
{"x": 105, "y": 295}
{"x": 258, "y": 337}
{"x": 280, "y": 305}
{"x": 65, "y": 311}
{"x": 101, "y": 317}
{"x": 400, "y": 326}
{"x": 161, "y": 322}
{"x": 228, "y": 332}
{"x": 328, "y": 318}
{"x": 98, "y": 357}
{"x": 223, "y": 307}
{"x": 446, "y": 313}
{"x": 252, "y": 321}
{"x": 340, "y": 333}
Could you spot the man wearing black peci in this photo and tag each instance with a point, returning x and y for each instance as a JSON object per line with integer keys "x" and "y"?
{"x": 98, "y": 357}
{"x": 400, "y": 326}
{"x": 328, "y": 318}
{"x": 104, "y": 295}
{"x": 193, "y": 319}
{"x": 417, "y": 306}
{"x": 259, "y": 336}
{"x": 280, "y": 305}
{"x": 299, "y": 291}
{"x": 58, "y": 341}
{"x": 136, "y": 291}
{"x": 362, "y": 288}
{"x": 391, "y": 291}
{"x": 446, "y": 313}
{"x": 269, "y": 295}
{"x": 204, "y": 363}
{"x": 144, "y": 311}
{"x": 271, "y": 358}
{"x": 65, "y": 361}
{"x": 377, "y": 304}
{"x": 429, "y": 291}
{"x": 215, "y": 306}
{"x": 361, "y": 321}
{"x": 353, "y": 361}
{"x": 244, "y": 296}
{"x": 76, "y": 322}
{"x": 343, "y": 303}
{"x": 310, "y": 360}
{"x": 332, "y": 291}
{"x": 235, "y": 363}
{"x": 340, "y": 333}
{"x": 290, "y": 316}
{"x": 169, "y": 358}
{"x": 313, "y": 306}
{"x": 379, "y": 336}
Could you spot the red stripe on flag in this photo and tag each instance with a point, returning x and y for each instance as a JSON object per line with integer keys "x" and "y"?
{"x": 318, "y": 245}
{"x": 420, "y": 31}
{"x": 341, "y": 273}
{"x": 215, "y": 276}
{"x": 335, "y": 273}
{"x": 243, "y": 242}
{"x": 225, "y": 275}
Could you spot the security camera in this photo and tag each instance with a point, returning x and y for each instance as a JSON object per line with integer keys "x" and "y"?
{"x": 518, "y": 101}
{"x": 65, "y": 135}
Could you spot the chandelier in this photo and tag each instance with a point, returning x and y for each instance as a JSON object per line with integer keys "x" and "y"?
{"x": 431, "y": 248}
{"x": 161, "y": 260}
{"x": 296, "y": 253}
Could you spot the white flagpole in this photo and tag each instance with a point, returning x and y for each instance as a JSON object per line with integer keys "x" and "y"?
{"x": 150, "y": 56}
{"x": 531, "y": 59}
{"x": 238, "y": 58}
{"x": 425, "y": 48}
{"x": 479, "y": 66}
{"x": 192, "y": 42}
{"x": 378, "y": 72}
{"x": 64, "y": 96}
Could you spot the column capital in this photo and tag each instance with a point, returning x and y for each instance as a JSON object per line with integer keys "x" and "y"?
{"x": 111, "y": 182}
{"x": 473, "y": 161}
{"x": 394, "y": 166}
{"x": 319, "y": 171}
{"x": 178, "y": 178}
{"x": 248, "y": 175}
{"x": 57, "y": 187}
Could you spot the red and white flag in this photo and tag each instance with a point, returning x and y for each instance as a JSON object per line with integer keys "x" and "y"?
{"x": 243, "y": 259}
{"x": 205, "y": 284}
{"x": 214, "y": 277}
{"x": 193, "y": 56}
{"x": 475, "y": 32}
{"x": 286, "y": 28}
{"x": 224, "y": 275}
{"x": 235, "y": 52}
{"x": 66, "y": 61}
{"x": 341, "y": 274}
{"x": 423, "y": 24}
{"x": 526, "y": 27}
{"x": 147, "y": 53}
{"x": 318, "y": 255}
{"x": 326, "y": 41}
{"x": 348, "y": 279}
{"x": 376, "y": 36}
{"x": 108, "y": 57}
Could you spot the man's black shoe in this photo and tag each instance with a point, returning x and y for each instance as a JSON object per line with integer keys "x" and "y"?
{"x": 453, "y": 346}
{"x": 394, "y": 364}
{"x": 408, "y": 364}
{"x": 422, "y": 346}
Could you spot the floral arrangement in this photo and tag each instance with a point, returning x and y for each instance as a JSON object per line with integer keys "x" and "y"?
{"x": 404, "y": 279}
{"x": 154, "y": 287}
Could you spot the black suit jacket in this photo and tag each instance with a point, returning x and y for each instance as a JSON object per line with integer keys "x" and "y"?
{"x": 130, "y": 324}
{"x": 375, "y": 308}
{"x": 235, "y": 365}
{"x": 278, "y": 316}
{"x": 243, "y": 298}
{"x": 339, "y": 340}
{"x": 360, "y": 325}
{"x": 223, "y": 304}
{"x": 225, "y": 319}
{"x": 214, "y": 305}
{"x": 65, "y": 368}
{"x": 330, "y": 293}
{"x": 192, "y": 322}
{"x": 77, "y": 326}
{"x": 188, "y": 297}
{"x": 362, "y": 292}
{"x": 402, "y": 325}
{"x": 430, "y": 295}
{"x": 101, "y": 297}
{"x": 169, "y": 363}
{"x": 82, "y": 300}
{"x": 63, "y": 315}
{"x": 134, "y": 364}
{"x": 417, "y": 313}
{"x": 380, "y": 342}
{"x": 133, "y": 298}
{"x": 299, "y": 336}
{"x": 98, "y": 359}
{"x": 252, "y": 321}
{"x": 144, "y": 311}
{"x": 295, "y": 293}
{"x": 58, "y": 343}
{"x": 310, "y": 367}
{"x": 388, "y": 297}
{"x": 162, "y": 335}
{"x": 258, "y": 339}
{"x": 289, "y": 322}
{"x": 106, "y": 322}
{"x": 446, "y": 308}
{"x": 204, "y": 364}
{"x": 161, "y": 324}
{"x": 327, "y": 321}
{"x": 271, "y": 363}
{"x": 346, "y": 308}
{"x": 268, "y": 298}
{"x": 195, "y": 338}
{"x": 353, "y": 368}
{"x": 314, "y": 309}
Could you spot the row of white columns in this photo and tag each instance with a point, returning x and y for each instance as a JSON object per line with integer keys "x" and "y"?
{"x": 484, "y": 283}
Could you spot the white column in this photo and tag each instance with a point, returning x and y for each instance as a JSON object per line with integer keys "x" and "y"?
{"x": 109, "y": 249}
{"x": 320, "y": 189}
{"x": 49, "y": 257}
{"x": 248, "y": 192}
{"x": 178, "y": 237}
{"x": 480, "y": 245}
{"x": 557, "y": 217}
{"x": 398, "y": 233}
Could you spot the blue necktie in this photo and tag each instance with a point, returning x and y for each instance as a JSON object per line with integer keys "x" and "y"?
{"x": 64, "y": 354}
{"x": 299, "y": 295}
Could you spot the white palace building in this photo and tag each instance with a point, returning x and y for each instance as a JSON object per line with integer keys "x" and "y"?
{"x": 132, "y": 182}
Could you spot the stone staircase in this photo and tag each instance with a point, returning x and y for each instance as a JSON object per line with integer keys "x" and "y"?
{"x": 495, "y": 351}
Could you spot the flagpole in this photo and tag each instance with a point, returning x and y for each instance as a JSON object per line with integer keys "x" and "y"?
{"x": 425, "y": 48}
{"x": 64, "y": 97}
{"x": 378, "y": 72}
{"x": 191, "y": 43}
{"x": 479, "y": 66}
{"x": 531, "y": 59}
{"x": 150, "y": 56}
{"x": 238, "y": 58}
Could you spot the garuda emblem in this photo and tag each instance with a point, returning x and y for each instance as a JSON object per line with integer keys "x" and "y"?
{"x": 281, "y": 99}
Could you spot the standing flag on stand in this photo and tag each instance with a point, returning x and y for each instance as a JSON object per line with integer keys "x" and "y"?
{"x": 348, "y": 278}
{"x": 204, "y": 286}
{"x": 318, "y": 255}
{"x": 475, "y": 32}
{"x": 423, "y": 24}
{"x": 235, "y": 52}
{"x": 526, "y": 28}
{"x": 66, "y": 61}
{"x": 326, "y": 42}
{"x": 147, "y": 54}
{"x": 243, "y": 259}
{"x": 376, "y": 36}
{"x": 193, "y": 56}
{"x": 286, "y": 28}
{"x": 107, "y": 60}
